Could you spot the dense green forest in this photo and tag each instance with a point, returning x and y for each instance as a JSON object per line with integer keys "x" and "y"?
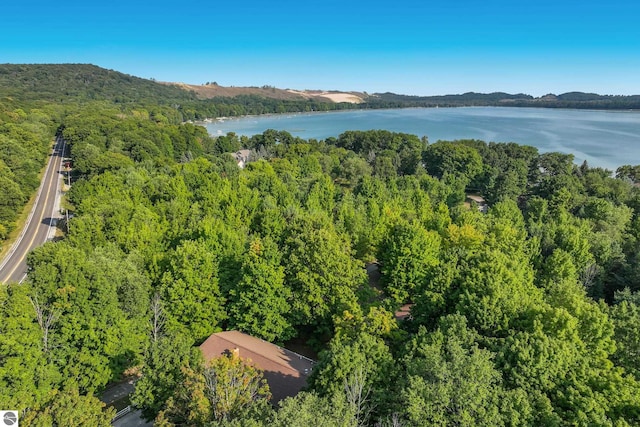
{"x": 527, "y": 315}
{"x": 579, "y": 100}
{"x": 25, "y": 141}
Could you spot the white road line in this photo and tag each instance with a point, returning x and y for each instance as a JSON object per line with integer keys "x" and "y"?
{"x": 33, "y": 209}
{"x": 56, "y": 203}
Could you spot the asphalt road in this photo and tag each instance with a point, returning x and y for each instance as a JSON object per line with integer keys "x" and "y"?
{"x": 41, "y": 222}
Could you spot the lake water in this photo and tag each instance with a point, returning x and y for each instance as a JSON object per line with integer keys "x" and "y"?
{"x": 604, "y": 138}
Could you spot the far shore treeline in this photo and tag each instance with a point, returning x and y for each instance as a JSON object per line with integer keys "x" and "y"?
{"x": 526, "y": 313}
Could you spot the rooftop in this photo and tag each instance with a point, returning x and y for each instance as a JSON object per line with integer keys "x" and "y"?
{"x": 285, "y": 371}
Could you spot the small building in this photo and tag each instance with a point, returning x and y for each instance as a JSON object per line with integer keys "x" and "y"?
{"x": 242, "y": 157}
{"x": 479, "y": 202}
{"x": 286, "y": 372}
{"x": 404, "y": 312}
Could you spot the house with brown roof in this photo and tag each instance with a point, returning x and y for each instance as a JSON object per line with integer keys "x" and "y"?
{"x": 478, "y": 201}
{"x": 403, "y": 312}
{"x": 286, "y": 372}
{"x": 242, "y": 157}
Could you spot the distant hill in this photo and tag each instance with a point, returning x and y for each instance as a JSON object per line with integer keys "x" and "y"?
{"x": 72, "y": 83}
{"x": 85, "y": 82}
{"x": 59, "y": 82}
{"x": 465, "y": 98}
{"x": 213, "y": 90}
{"x": 565, "y": 100}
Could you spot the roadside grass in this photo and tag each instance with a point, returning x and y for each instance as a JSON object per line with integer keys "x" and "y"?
{"x": 65, "y": 206}
{"x": 21, "y": 220}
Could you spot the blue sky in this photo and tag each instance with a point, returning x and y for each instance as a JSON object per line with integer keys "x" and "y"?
{"x": 412, "y": 47}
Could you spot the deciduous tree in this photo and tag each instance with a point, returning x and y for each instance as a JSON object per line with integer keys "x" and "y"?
{"x": 260, "y": 302}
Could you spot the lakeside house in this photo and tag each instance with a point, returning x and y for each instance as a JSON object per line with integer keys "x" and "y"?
{"x": 242, "y": 157}
{"x": 286, "y": 372}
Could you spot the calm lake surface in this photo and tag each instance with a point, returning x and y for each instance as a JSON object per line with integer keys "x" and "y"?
{"x": 606, "y": 139}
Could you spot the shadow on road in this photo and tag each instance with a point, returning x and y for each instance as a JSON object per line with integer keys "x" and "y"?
{"x": 50, "y": 221}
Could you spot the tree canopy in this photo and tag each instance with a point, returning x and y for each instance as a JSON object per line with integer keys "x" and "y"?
{"x": 524, "y": 315}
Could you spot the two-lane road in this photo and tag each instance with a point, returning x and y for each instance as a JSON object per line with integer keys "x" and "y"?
{"x": 41, "y": 220}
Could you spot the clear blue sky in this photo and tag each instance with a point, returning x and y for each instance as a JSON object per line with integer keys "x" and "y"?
{"x": 412, "y": 47}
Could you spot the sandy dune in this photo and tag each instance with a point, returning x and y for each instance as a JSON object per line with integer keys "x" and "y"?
{"x": 333, "y": 96}
{"x": 212, "y": 90}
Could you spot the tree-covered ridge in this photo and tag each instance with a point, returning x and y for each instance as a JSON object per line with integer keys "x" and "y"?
{"x": 526, "y": 315}
{"x": 38, "y": 84}
{"x": 579, "y": 100}
{"x": 469, "y": 98}
{"x": 64, "y": 83}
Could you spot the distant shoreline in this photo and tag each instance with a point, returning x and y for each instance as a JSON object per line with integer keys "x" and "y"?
{"x": 211, "y": 120}
{"x": 587, "y": 134}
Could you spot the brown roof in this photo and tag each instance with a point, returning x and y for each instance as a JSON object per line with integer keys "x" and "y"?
{"x": 476, "y": 198}
{"x": 403, "y": 312}
{"x": 242, "y": 155}
{"x": 285, "y": 371}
